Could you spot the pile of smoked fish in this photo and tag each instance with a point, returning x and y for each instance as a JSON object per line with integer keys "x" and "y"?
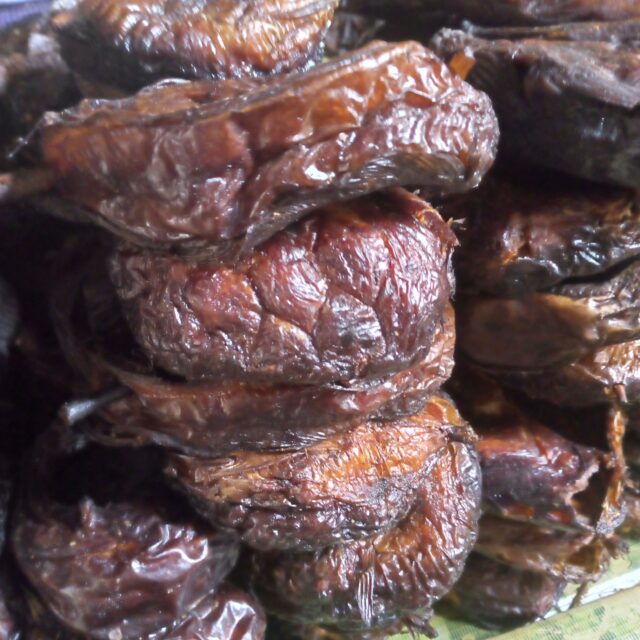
{"x": 314, "y": 315}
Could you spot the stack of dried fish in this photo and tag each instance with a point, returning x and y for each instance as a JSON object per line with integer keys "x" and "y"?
{"x": 258, "y": 319}
{"x": 548, "y": 277}
{"x": 551, "y": 505}
{"x": 262, "y": 333}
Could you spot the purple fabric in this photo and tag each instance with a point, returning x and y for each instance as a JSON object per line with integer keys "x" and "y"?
{"x": 11, "y": 12}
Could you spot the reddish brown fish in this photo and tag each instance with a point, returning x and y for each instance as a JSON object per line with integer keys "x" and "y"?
{"x": 353, "y": 292}
{"x": 349, "y": 486}
{"x": 395, "y": 576}
{"x": 225, "y": 165}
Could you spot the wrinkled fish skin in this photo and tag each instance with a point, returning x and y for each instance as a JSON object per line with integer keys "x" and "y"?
{"x": 226, "y": 165}
{"x": 551, "y": 472}
{"x": 130, "y": 44}
{"x": 102, "y": 603}
{"x": 350, "y": 486}
{"x": 216, "y": 418}
{"x": 128, "y": 568}
{"x": 552, "y": 328}
{"x": 551, "y": 505}
{"x": 353, "y": 292}
{"x": 530, "y": 473}
{"x": 395, "y": 576}
{"x": 567, "y": 105}
{"x": 212, "y": 418}
{"x": 497, "y": 596}
{"x": 588, "y": 381}
{"x": 570, "y": 555}
{"x": 529, "y": 233}
{"x": 229, "y": 613}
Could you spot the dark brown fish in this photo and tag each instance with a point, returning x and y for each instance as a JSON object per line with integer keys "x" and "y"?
{"x": 569, "y": 555}
{"x": 551, "y": 328}
{"x": 531, "y": 473}
{"x": 497, "y": 596}
{"x": 494, "y": 12}
{"x": 214, "y": 417}
{"x": 572, "y": 106}
{"x": 228, "y": 613}
{"x": 525, "y": 233}
{"x": 121, "y": 560}
{"x": 596, "y": 378}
